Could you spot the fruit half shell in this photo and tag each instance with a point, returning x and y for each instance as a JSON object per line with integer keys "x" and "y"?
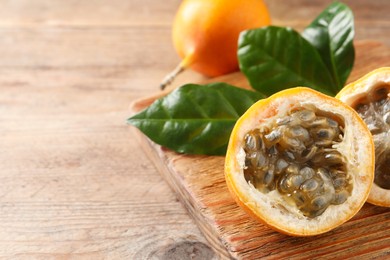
{"x": 350, "y": 94}
{"x": 271, "y": 208}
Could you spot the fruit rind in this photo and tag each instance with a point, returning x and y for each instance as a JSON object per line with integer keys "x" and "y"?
{"x": 207, "y": 32}
{"x": 270, "y": 208}
{"x": 349, "y": 95}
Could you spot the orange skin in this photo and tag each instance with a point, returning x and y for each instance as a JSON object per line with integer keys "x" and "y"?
{"x": 205, "y": 32}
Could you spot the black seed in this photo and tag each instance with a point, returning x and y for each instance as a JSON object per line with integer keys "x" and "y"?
{"x": 282, "y": 185}
{"x": 294, "y": 181}
{"x": 268, "y": 178}
{"x": 299, "y": 132}
{"x": 298, "y": 198}
{"x": 291, "y": 144}
{"x": 283, "y": 121}
{"x": 339, "y": 183}
{"x": 309, "y": 153}
{"x": 306, "y": 115}
{"x": 281, "y": 164}
{"x": 273, "y": 150}
{"x": 309, "y": 185}
{"x": 250, "y": 159}
{"x": 253, "y": 141}
{"x": 320, "y": 121}
{"x": 307, "y": 173}
{"x": 334, "y": 158}
{"x": 274, "y": 136}
{"x": 261, "y": 160}
{"x": 325, "y": 133}
{"x": 332, "y": 123}
{"x": 292, "y": 169}
{"x": 319, "y": 203}
{"x": 289, "y": 155}
{"x": 340, "y": 197}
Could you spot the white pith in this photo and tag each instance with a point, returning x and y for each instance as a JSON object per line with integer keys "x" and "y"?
{"x": 378, "y": 195}
{"x": 356, "y": 147}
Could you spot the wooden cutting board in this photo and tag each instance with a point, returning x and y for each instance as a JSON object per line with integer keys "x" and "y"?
{"x": 199, "y": 184}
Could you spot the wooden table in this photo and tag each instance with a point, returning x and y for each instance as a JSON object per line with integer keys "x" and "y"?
{"x": 74, "y": 182}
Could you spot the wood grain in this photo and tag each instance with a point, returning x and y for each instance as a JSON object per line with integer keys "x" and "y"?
{"x": 74, "y": 182}
{"x": 199, "y": 182}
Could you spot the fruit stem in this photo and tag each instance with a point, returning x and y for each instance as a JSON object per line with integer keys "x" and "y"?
{"x": 179, "y": 69}
{"x": 171, "y": 76}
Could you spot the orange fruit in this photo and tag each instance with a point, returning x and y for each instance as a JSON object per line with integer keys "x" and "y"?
{"x": 205, "y": 33}
{"x": 370, "y": 97}
{"x": 300, "y": 162}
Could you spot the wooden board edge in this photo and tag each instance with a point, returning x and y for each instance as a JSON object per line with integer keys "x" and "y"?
{"x": 155, "y": 153}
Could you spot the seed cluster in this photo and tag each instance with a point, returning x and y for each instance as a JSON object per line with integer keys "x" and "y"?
{"x": 374, "y": 109}
{"x": 295, "y": 156}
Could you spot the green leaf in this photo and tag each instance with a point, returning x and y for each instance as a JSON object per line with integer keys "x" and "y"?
{"x": 277, "y": 58}
{"x": 331, "y": 33}
{"x": 195, "y": 119}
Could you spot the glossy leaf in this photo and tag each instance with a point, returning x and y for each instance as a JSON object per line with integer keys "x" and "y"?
{"x": 195, "y": 119}
{"x": 331, "y": 33}
{"x": 277, "y": 58}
